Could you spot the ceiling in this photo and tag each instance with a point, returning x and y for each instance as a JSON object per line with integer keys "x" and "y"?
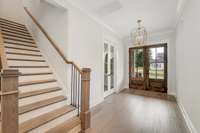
{"x": 122, "y": 15}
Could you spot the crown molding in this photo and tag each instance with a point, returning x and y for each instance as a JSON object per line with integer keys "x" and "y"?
{"x": 57, "y": 4}
{"x": 94, "y": 18}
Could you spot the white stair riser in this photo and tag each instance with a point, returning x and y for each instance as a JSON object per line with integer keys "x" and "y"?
{"x": 54, "y": 123}
{"x": 35, "y": 87}
{"x": 33, "y": 99}
{"x": 34, "y": 70}
{"x": 40, "y": 111}
{"x": 26, "y": 63}
{"x": 19, "y": 46}
{"x": 24, "y": 57}
{"x": 22, "y": 51}
{"x": 35, "y": 77}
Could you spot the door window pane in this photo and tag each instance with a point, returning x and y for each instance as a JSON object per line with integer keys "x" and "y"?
{"x": 137, "y": 63}
{"x": 156, "y": 60}
{"x": 152, "y": 71}
{"x": 160, "y": 70}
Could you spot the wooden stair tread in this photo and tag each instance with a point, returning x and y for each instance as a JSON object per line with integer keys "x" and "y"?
{"x": 13, "y": 29}
{"x": 27, "y": 54}
{"x": 18, "y": 39}
{"x": 13, "y": 26}
{"x": 45, "y": 118}
{"x": 39, "y": 104}
{"x": 36, "y": 82}
{"x": 16, "y": 32}
{"x": 66, "y": 126}
{"x": 16, "y": 35}
{"x": 15, "y": 59}
{"x": 38, "y": 92}
{"x": 31, "y": 74}
{"x": 11, "y": 22}
{"x": 34, "y": 50}
{"x": 28, "y": 66}
{"x": 21, "y": 44}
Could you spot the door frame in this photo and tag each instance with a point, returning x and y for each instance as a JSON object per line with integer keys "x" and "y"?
{"x": 111, "y": 91}
{"x": 146, "y": 65}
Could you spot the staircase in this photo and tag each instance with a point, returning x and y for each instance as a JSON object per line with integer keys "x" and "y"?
{"x": 42, "y": 105}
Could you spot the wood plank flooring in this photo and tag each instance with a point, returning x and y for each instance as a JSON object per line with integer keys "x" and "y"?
{"x": 129, "y": 112}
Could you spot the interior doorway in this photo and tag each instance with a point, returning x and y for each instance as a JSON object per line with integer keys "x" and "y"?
{"x": 109, "y": 62}
{"x": 148, "y": 67}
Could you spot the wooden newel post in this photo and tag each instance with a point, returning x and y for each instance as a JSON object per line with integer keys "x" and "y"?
{"x": 85, "y": 99}
{"x": 9, "y": 101}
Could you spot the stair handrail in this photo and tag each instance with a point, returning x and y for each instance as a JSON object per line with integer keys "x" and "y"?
{"x": 80, "y": 81}
{"x": 52, "y": 41}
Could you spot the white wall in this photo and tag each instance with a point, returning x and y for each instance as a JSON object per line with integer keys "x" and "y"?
{"x": 12, "y": 10}
{"x": 188, "y": 64}
{"x": 81, "y": 39}
{"x": 157, "y": 38}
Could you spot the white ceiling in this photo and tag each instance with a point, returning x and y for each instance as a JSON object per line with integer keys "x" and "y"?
{"x": 122, "y": 15}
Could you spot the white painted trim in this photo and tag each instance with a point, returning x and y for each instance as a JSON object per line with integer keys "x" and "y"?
{"x": 188, "y": 123}
{"x": 94, "y": 103}
{"x": 94, "y": 18}
{"x": 56, "y": 4}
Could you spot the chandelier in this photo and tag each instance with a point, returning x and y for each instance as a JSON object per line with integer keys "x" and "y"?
{"x": 139, "y": 36}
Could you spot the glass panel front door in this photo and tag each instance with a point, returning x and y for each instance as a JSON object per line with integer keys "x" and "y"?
{"x": 148, "y": 67}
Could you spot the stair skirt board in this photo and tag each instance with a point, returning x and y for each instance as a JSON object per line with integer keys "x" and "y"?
{"x": 34, "y": 99}
{"x": 54, "y": 123}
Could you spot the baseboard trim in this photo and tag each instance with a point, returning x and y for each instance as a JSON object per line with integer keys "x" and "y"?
{"x": 188, "y": 123}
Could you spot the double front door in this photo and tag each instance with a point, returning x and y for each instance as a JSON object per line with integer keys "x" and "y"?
{"x": 148, "y": 67}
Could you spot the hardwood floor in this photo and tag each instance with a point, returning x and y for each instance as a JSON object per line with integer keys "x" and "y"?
{"x": 127, "y": 112}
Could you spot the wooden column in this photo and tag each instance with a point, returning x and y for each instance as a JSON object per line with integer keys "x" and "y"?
{"x": 9, "y": 101}
{"x": 85, "y": 99}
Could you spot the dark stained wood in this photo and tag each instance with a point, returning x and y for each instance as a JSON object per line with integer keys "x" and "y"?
{"x": 146, "y": 83}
